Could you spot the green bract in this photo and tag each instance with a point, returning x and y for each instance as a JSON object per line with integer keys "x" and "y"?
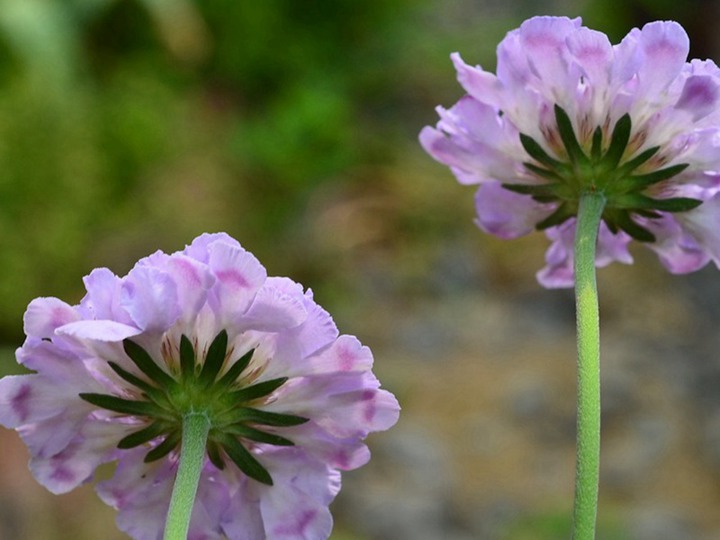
{"x": 227, "y": 400}
{"x": 599, "y": 170}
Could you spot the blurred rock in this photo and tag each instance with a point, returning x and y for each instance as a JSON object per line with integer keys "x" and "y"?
{"x": 407, "y": 491}
{"x": 659, "y": 523}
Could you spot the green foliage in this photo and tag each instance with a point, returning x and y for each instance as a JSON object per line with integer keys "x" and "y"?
{"x": 131, "y": 125}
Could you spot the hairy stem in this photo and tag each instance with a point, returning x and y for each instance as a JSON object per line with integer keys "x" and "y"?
{"x": 587, "y": 469}
{"x": 195, "y": 428}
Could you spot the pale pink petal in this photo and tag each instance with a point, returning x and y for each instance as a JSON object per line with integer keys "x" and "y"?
{"x": 478, "y": 83}
{"x": 108, "y": 331}
{"x": 150, "y": 298}
{"x": 593, "y": 54}
{"x": 199, "y": 249}
{"x": 26, "y": 399}
{"x": 346, "y": 354}
{"x": 102, "y": 300}
{"x": 95, "y": 444}
{"x": 295, "y": 345}
{"x": 44, "y": 315}
{"x": 279, "y": 304}
{"x": 473, "y": 159}
{"x": 507, "y": 214}
{"x": 559, "y": 258}
{"x": 238, "y": 498}
{"x": 678, "y": 251}
{"x": 699, "y": 96}
{"x": 345, "y": 454}
{"x": 298, "y": 512}
{"x": 665, "y": 47}
{"x": 239, "y": 276}
{"x": 141, "y": 493}
{"x": 703, "y": 225}
{"x": 346, "y": 405}
{"x": 192, "y": 280}
{"x": 542, "y": 40}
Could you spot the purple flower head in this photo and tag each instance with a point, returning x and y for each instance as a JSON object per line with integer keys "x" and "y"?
{"x": 204, "y": 329}
{"x": 568, "y": 113}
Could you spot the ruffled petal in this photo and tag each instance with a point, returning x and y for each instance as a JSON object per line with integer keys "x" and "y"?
{"x": 592, "y": 52}
{"x": 240, "y": 516}
{"x": 26, "y": 399}
{"x": 507, "y": 214}
{"x": 278, "y": 305}
{"x": 665, "y": 47}
{"x": 239, "y": 276}
{"x": 346, "y": 354}
{"x": 107, "y": 331}
{"x": 150, "y": 297}
{"x": 477, "y": 82}
{"x": 699, "y": 96}
{"x": 192, "y": 281}
{"x": 44, "y": 315}
{"x": 347, "y": 405}
{"x": 541, "y": 45}
{"x": 558, "y": 272}
{"x": 703, "y": 226}
{"x": 294, "y": 346}
{"x": 141, "y": 493}
{"x": 76, "y": 463}
{"x": 677, "y": 250}
{"x": 299, "y": 511}
{"x": 102, "y": 300}
{"x": 199, "y": 249}
{"x": 473, "y": 159}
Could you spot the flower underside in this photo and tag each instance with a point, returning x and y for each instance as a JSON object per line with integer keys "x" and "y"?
{"x": 229, "y": 401}
{"x": 599, "y": 170}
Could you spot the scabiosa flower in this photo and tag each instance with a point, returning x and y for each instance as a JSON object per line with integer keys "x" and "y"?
{"x": 568, "y": 112}
{"x": 289, "y": 402}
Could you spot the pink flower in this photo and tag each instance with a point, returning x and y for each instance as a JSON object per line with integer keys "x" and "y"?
{"x": 568, "y": 112}
{"x": 290, "y": 401}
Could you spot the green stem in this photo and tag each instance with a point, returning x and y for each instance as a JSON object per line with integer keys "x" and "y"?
{"x": 587, "y": 471}
{"x": 195, "y": 430}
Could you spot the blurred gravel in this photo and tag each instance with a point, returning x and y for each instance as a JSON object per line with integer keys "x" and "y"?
{"x": 487, "y": 379}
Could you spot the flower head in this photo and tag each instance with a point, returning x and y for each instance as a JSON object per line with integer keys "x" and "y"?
{"x": 569, "y": 113}
{"x": 289, "y": 401}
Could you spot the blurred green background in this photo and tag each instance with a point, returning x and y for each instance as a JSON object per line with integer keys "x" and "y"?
{"x": 128, "y": 126}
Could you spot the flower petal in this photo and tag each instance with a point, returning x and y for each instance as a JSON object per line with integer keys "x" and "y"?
{"x": 107, "y": 331}
{"x": 199, "y": 249}
{"x": 279, "y": 304}
{"x": 141, "y": 492}
{"x": 150, "y": 297}
{"x": 102, "y": 300}
{"x": 699, "y": 96}
{"x": 703, "y": 226}
{"x": 62, "y": 472}
{"x": 44, "y": 315}
{"x": 665, "y": 47}
{"x": 299, "y": 511}
{"x": 507, "y": 214}
{"x": 239, "y": 276}
{"x": 559, "y": 273}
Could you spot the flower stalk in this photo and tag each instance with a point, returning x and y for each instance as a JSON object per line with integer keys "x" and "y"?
{"x": 587, "y": 471}
{"x": 195, "y": 429}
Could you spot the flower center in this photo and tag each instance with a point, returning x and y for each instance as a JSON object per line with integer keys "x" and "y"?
{"x": 600, "y": 168}
{"x": 228, "y": 400}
